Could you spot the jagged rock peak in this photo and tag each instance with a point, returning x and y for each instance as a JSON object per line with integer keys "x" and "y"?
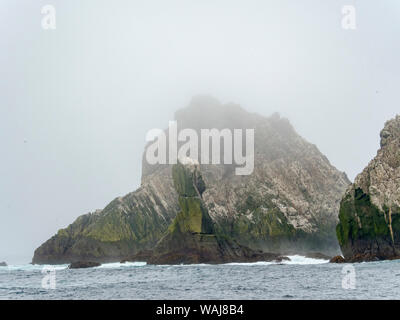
{"x": 380, "y": 178}
{"x": 391, "y": 132}
{"x": 205, "y": 111}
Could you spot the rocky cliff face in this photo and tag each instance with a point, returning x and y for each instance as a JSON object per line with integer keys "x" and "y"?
{"x": 288, "y": 204}
{"x": 369, "y": 227}
{"x": 191, "y": 237}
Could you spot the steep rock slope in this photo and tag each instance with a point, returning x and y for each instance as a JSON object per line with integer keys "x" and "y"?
{"x": 128, "y": 224}
{"x": 369, "y": 227}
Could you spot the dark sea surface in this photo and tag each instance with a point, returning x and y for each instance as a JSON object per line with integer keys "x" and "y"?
{"x": 301, "y": 278}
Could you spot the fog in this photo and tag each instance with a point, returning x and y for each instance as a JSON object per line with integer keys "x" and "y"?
{"x": 76, "y": 102}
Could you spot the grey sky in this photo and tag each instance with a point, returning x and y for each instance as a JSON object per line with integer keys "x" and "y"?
{"x": 77, "y": 102}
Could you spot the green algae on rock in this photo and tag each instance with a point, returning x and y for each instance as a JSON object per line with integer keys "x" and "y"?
{"x": 127, "y": 225}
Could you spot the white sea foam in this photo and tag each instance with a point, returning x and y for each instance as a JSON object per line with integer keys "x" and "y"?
{"x": 33, "y": 267}
{"x": 39, "y": 267}
{"x": 121, "y": 265}
{"x": 259, "y": 263}
{"x": 295, "y": 259}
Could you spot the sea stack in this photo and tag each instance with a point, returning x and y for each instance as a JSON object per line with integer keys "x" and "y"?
{"x": 369, "y": 227}
{"x": 287, "y": 205}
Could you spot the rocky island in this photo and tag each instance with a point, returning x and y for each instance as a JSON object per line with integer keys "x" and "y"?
{"x": 369, "y": 227}
{"x": 288, "y": 205}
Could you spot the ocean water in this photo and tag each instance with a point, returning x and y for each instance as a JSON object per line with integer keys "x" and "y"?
{"x": 300, "y": 278}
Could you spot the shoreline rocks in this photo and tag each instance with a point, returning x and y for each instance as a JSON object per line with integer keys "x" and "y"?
{"x": 337, "y": 259}
{"x": 3, "y": 264}
{"x": 83, "y": 265}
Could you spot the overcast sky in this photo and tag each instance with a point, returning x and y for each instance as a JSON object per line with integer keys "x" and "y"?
{"x": 76, "y": 102}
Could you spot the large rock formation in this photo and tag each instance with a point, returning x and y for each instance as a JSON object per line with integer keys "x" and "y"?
{"x": 369, "y": 227}
{"x": 288, "y": 204}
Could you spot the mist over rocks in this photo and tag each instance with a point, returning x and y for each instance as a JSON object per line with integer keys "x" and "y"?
{"x": 288, "y": 205}
{"x": 369, "y": 227}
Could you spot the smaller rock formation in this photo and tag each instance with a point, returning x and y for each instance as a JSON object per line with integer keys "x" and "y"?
{"x": 337, "y": 259}
{"x": 83, "y": 264}
{"x": 3, "y": 264}
{"x": 191, "y": 237}
{"x": 369, "y": 227}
